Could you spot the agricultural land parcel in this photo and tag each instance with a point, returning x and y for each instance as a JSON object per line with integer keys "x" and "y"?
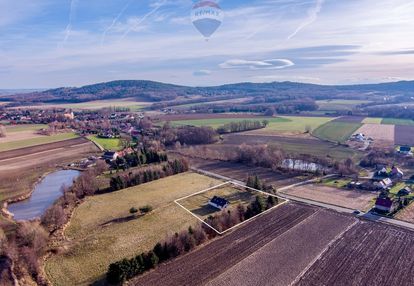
{"x": 98, "y": 104}
{"x": 24, "y": 137}
{"x": 337, "y": 131}
{"x": 113, "y": 144}
{"x": 21, "y": 168}
{"x": 273, "y": 249}
{"x": 340, "y": 105}
{"x": 284, "y": 124}
{"x": 102, "y": 231}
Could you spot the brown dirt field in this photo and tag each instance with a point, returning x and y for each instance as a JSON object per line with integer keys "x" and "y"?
{"x": 404, "y": 135}
{"x": 368, "y": 254}
{"x": 379, "y": 132}
{"x": 344, "y": 198}
{"x": 20, "y": 136}
{"x": 284, "y": 258}
{"x": 41, "y": 148}
{"x": 406, "y": 214}
{"x": 208, "y": 262}
{"x": 241, "y": 172}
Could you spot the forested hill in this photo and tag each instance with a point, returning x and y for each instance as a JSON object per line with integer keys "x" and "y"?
{"x": 157, "y": 91}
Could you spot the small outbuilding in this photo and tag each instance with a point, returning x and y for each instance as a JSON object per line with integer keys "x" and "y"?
{"x": 110, "y": 155}
{"x": 219, "y": 203}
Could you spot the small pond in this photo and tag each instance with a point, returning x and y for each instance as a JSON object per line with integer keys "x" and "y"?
{"x": 43, "y": 196}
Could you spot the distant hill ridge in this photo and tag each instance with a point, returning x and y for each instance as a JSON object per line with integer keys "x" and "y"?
{"x": 157, "y": 91}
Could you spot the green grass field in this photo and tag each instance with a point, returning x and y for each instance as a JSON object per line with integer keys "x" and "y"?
{"x": 25, "y": 127}
{"x": 336, "y": 131}
{"x": 7, "y": 146}
{"x": 98, "y": 104}
{"x": 107, "y": 144}
{"x": 283, "y": 124}
{"x": 372, "y": 120}
{"x": 396, "y": 121}
{"x": 101, "y": 231}
{"x": 342, "y": 104}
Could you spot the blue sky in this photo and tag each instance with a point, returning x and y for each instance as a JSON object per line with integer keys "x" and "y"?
{"x": 52, "y": 43}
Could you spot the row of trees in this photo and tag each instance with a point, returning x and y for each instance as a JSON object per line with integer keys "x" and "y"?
{"x": 173, "y": 246}
{"x": 148, "y": 174}
{"x": 241, "y": 126}
{"x": 188, "y": 135}
{"x": 141, "y": 157}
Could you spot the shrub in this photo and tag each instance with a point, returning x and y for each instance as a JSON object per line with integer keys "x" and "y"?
{"x": 145, "y": 209}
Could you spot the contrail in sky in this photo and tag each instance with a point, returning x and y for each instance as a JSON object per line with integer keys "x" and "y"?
{"x": 72, "y": 15}
{"x": 312, "y": 16}
{"x": 140, "y": 21}
{"x": 115, "y": 20}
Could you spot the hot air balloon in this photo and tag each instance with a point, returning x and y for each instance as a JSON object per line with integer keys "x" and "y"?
{"x": 207, "y": 17}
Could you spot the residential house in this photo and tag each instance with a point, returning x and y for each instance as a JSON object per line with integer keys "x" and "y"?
{"x": 404, "y": 192}
{"x": 396, "y": 173}
{"x": 359, "y": 137}
{"x": 219, "y": 203}
{"x": 405, "y": 150}
{"x": 382, "y": 172}
{"x": 384, "y": 184}
{"x": 384, "y": 204}
{"x": 110, "y": 155}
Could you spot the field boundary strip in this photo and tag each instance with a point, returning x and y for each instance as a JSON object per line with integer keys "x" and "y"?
{"x": 284, "y": 201}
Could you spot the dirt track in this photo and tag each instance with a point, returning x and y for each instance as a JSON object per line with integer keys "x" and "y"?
{"x": 208, "y": 262}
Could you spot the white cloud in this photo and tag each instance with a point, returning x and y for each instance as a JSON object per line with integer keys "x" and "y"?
{"x": 202, "y": 73}
{"x": 312, "y": 17}
{"x": 257, "y": 65}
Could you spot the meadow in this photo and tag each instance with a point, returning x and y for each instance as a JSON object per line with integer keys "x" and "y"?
{"x": 98, "y": 104}
{"x": 102, "y": 230}
{"x": 341, "y": 105}
{"x": 282, "y": 124}
{"x": 396, "y": 121}
{"x": 336, "y": 131}
{"x": 24, "y": 127}
{"x": 113, "y": 144}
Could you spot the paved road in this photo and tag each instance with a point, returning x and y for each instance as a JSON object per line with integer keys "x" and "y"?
{"x": 368, "y": 216}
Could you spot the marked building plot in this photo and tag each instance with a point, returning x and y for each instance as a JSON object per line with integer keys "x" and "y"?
{"x": 199, "y": 204}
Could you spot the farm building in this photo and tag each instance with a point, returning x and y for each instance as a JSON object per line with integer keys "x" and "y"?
{"x": 359, "y": 137}
{"x": 110, "y": 155}
{"x": 404, "y": 192}
{"x": 396, "y": 173}
{"x": 384, "y": 184}
{"x": 219, "y": 203}
{"x": 384, "y": 204}
{"x": 405, "y": 150}
{"x": 382, "y": 172}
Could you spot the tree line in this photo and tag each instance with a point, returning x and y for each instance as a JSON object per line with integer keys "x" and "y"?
{"x": 241, "y": 126}
{"x": 171, "y": 247}
{"x": 148, "y": 174}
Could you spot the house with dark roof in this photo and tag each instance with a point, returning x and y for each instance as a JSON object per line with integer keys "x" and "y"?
{"x": 396, "y": 173}
{"x": 110, "y": 155}
{"x": 405, "y": 150}
{"x": 219, "y": 203}
{"x": 404, "y": 192}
